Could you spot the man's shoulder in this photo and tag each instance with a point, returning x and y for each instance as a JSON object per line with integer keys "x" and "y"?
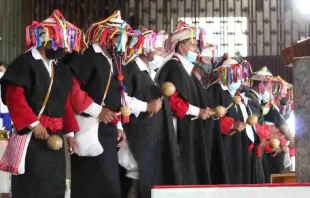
{"x": 172, "y": 61}
{"x": 131, "y": 67}
{"x": 214, "y": 85}
{"x": 21, "y": 63}
{"x": 171, "y": 65}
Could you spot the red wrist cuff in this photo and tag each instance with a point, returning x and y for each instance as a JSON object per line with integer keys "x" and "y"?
{"x": 268, "y": 148}
{"x": 292, "y": 152}
{"x": 178, "y": 106}
{"x": 226, "y": 125}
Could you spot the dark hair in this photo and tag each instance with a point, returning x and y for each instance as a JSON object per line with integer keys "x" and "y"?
{"x": 257, "y": 82}
{"x": 3, "y": 64}
{"x": 184, "y": 42}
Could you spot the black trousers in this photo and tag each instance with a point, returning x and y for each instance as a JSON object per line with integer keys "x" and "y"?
{"x": 125, "y": 182}
{"x": 97, "y": 177}
{"x": 272, "y": 165}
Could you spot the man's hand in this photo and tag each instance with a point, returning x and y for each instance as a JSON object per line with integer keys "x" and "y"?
{"x": 40, "y": 132}
{"x": 107, "y": 116}
{"x": 239, "y": 126}
{"x": 121, "y": 138}
{"x": 205, "y": 113}
{"x": 292, "y": 143}
{"x": 154, "y": 106}
{"x": 276, "y": 151}
{"x": 72, "y": 145}
{"x": 210, "y": 112}
{"x": 273, "y": 129}
{"x": 262, "y": 143}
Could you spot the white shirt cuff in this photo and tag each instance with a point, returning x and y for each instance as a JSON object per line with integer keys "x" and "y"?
{"x": 94, "y": 110}
{"x": 71, "y": 134}
{"x": 192, "y": 110}
{"x": 133, "y": 174}
{"x": 215, "y": 118}
{"x": 136, "y": 106}
{"x": 34, "y": 124}
{"x": 119, "y": 126}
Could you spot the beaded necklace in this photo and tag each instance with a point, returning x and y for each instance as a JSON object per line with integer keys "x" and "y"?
{"x": 124, "y": 110}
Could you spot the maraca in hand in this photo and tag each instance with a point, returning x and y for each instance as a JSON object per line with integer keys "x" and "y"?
{"x": 251, "y": 120}
{"x": 125, "y": 112}
{"x": 285, "y": 149}
{"x": 54, "y": 142}
{"x": 235, "y": 101}
{"x": 274, "y": 142}
{"x": 218, "y": 112}
{"x": 167, "y": 89}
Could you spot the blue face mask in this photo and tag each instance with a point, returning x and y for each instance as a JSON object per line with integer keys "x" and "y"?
{"x": 191, "y": 56}
{"x": 235, "y": 85}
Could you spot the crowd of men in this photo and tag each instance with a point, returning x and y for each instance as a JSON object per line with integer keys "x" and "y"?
{"x": 103, "y": 92}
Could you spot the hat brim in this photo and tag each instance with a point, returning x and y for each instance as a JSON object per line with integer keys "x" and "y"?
{"x": 263, "y": 73}
{"x": 264, "y": 78}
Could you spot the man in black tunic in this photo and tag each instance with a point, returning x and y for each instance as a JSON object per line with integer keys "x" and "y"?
{"x": 189, "y": 101}
{"x": 248, "y": 106}
{"x": 24, "y": 89}
{"x": 239, "y": 159}
{"x": 98, "y": 74}
{"x": 273, "y": 158}
{"x": 151, "y": 137}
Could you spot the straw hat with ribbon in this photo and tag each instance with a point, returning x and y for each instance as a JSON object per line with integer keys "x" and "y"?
{"x": 228, "y": 70}
{"x": 144, "y": 41}
{"x": 56, "y": 29}
{"x": 148, "y": 38}
{"x": 264, "y": 75}
{"x": 283, "y": 88}
{"x": 162, "y": 40}
{"x": 101, "y": 32}
{"x": 202, "y": 41}
{"x": 183, "y": 31}
{"x": 205, "y": 48}
{"x": 285, "y": 96}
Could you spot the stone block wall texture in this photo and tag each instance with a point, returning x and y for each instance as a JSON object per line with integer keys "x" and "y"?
{"x": 301, "y": 82}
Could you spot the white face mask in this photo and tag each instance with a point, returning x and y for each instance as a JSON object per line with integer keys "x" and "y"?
{"x": 265, "y": 96}
{"x": 235, "y": 85}
{"x": 265, "y": 110}
{"x": 157, "y": 62}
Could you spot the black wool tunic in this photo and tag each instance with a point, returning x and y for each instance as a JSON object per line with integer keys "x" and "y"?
{"x": 151, "y": 139}
{"x": 273, "y": 164}
{"x": 44, "y": 169}
{"x": 98, "y": 176}
{"x": 192, "y": 135}
{"x": 235, "y": 146}
{"x": 252, "y": 162}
